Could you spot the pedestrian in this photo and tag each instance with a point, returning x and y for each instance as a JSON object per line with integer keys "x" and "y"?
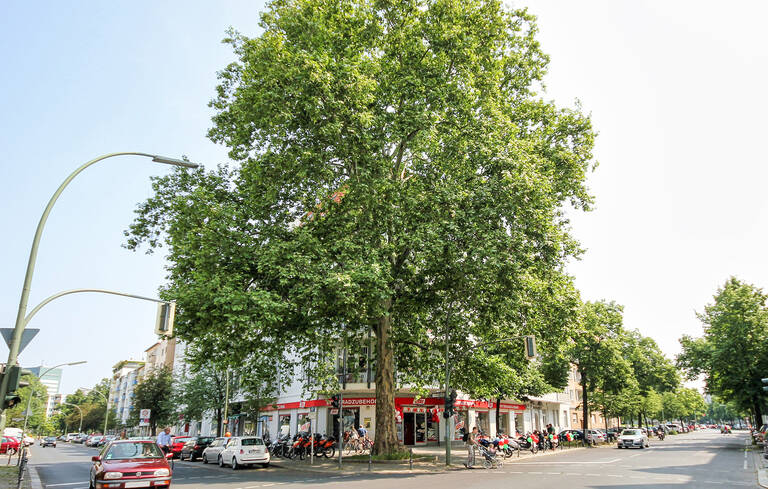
{"x": 550, "y": 429}
{"x": 164, "y": 439}
{"x": 470, "y": 439}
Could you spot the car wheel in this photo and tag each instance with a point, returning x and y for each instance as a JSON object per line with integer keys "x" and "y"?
{"x": 265, "y": 465}
{"x": 205, "y": 459}
{"x": 234, "y": 463}
{"x": 191, "y": 456}
{"x": 221, "y": 461}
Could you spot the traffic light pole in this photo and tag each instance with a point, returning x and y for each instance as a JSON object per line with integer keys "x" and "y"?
{"x": 341, "y": 426}
{"x": 13, "y": 349}
{"x": 448, "y": 421}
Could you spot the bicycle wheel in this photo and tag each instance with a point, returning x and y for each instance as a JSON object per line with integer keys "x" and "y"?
{"x": 348, "y": 448}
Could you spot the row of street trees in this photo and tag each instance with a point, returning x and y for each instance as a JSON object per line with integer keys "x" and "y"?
{"x": 732, "y": 354}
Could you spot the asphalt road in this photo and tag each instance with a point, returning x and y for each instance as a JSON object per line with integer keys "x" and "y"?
{"x": 700, "y": 459}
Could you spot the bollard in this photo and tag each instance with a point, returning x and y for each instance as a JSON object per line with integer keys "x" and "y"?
{"x": 410, "y": 458}
{"x": 370, "y": 459}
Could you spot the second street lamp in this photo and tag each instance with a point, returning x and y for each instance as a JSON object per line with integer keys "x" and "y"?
{"x": 106, "y": 410}
{"x": 32, "y": 393}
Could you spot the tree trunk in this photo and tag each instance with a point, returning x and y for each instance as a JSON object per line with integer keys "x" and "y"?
{"x": 584, "y": 408}
{"x": 386, "y": 434}
{"x": 218, "y": 421}
{"x": 758, "y": 413}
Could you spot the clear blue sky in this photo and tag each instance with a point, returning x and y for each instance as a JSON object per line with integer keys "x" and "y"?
{"x": 676, "y": 90}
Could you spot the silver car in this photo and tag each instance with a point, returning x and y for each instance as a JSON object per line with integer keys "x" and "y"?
{"x": 212, "y": 451}
{"x": 633, "y": 437}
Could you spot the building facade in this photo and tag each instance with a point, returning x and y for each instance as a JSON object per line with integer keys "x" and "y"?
{"x": 125, "y": 375}
{"x": 52, "y": 382}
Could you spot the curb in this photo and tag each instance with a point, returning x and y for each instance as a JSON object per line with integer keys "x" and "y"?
{"x": 34, "y": 478}
{"x": 762, "y": 472}
{"x": 417, "y": 467}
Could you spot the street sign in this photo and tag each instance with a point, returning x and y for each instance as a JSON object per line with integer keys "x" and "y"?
{"x": 26, "y": 336}
{"x": 144, "y": 415}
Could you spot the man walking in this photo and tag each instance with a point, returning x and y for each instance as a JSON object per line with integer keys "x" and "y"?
{"x": 164, "y": 440}
{"x": 471, "y": 441}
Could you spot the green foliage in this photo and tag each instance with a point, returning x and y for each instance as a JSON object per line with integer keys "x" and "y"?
{"x": 732, "y": 355}
{"x": 15, "y": 416}
{"x": 399, "y": 175}
{"x": 155, "y": 392}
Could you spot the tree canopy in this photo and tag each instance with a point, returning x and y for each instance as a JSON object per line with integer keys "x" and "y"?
{"x": 397, "y": 173}
{"x": 732, "y": 354}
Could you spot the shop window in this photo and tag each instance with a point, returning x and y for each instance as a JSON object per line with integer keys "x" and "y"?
{"x": 483, "y": 422}
{"x": 459, "y": 424}
{"x": 285, "y": 424}
{"x": 305, "y": 424}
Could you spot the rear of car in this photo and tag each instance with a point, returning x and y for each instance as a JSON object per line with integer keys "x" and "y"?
{"x": 48, "y": 441}
{"x": 177, "y": 443}
{"x": 251, "y": 450}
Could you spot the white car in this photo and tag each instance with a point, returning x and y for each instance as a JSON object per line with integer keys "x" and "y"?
{"x": 244, "y": 450}
{"x": 212, "y": 451}
{"x": 633, "y": 438}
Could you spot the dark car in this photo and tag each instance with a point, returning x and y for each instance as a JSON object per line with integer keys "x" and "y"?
{"x": 130, "y": 463}
{"x": 575, "y": 435}
{"x": 193, "y": 448}
{"x": 48, "y": 441}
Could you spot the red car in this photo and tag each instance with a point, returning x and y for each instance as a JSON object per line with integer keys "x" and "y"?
{"x": 177, "y": 443}
{"x": 9, "y": 443}
{"x": 123, "y": 464}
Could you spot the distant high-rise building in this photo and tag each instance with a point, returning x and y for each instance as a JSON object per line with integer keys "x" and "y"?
{"x": 52, "y": 382}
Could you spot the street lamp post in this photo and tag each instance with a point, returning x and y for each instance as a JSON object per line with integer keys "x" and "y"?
{"x": 32, "y": 393}
{"x": 106, "y": 410}
{"x": 81, "y": 415}
{"x": 13, "y": 352}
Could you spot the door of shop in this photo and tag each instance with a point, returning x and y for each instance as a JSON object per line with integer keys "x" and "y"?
{"x": 414, "y": 428}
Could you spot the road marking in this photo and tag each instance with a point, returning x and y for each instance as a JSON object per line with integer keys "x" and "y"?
{"x": 574, "y": 463}
{"x": 66, "y": 484}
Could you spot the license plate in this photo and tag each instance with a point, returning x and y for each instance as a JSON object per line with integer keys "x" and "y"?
{"x": 137, "y": 484}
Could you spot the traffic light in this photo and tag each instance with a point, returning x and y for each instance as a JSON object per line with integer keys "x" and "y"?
{"x": 335, "y": 401}
{"x": 14, "y": 383}
{"x": 765, "y": 381}
{"x": 450, "y": 404}
{"x": 530, "y": 347}
{"x": 166, "y": 312}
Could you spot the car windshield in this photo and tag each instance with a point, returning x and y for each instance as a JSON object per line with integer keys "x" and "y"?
{"x": 50, "y": 438}
{"x": 251, "y": 441}
{"x": 205, "y": 439}
{"x": 630, "y": 432}
{"x": 121, "y": 451}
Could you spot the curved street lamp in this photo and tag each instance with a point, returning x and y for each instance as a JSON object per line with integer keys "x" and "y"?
{"x": 32, "y": 393}
{"x": 81, "y": 414}
{"x": 13, "y": 352}
{"x": 106, "y": 401}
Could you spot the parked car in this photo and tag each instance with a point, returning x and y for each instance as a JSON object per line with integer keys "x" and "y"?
{"x": 29, "y": 440}
{"x": 106, "y": 439}
{"x": 118, "y": 464}
{"x": 193, "y": 448}
{"x": 9, "y": 444}
{"x": 212, "y": 451}
{"x": 177, "y": 442}
{"x": 93, "y": 441}
{"x": 244, "y": 450}
{"x": 48, "y": 441}
{"x": 575, "y": 435}
{"x": 71, "y": 436}
{"x": 633, "y": 438}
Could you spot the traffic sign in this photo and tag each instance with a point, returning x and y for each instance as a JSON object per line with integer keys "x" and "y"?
{"x": 26, "y": 336}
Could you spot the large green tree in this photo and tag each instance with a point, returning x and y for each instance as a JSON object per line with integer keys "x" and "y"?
{"x": 397, "y": 175}
{"x": 155, "y": 392}
{"x": 732, "y": 355}
{"x": 201, "y": 392}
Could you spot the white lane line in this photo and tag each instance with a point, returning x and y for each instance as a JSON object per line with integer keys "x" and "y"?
{"x": 573, "y": 463}
{"x": 66, "y": 484}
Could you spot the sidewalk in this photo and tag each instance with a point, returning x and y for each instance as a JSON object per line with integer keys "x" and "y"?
{"x": 429, "y": 459}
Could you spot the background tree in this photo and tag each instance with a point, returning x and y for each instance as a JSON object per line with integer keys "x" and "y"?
{"x": 201, "y": 392}
{"x": 15, "y": 415}
{"x": 732, "y": 355}
{"x": 384, "y": 149}
{"x": 596, "y": 349}
{"x": 155, "y": 392}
